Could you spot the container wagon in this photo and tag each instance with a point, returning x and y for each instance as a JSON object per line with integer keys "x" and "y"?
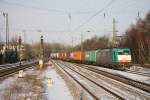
{"x": 90, "y": 56}
{"x": 77, "y": 56}
{"x": 114, "y": 56}
{"x": 66, "y": 56}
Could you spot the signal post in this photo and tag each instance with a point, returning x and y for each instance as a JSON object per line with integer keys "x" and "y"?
{"x": 20, "y": 56}
{"x": 41, "y": 60}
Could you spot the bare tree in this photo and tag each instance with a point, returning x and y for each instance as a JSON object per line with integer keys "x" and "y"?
{"x": 138, "y": 39}
{"x": 94, "y": 43}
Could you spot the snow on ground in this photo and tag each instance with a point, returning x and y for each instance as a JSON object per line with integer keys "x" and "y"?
{"x": 35, "y": 85}
{"x": 10, "y": 80}
{"x": 6, "y": 83}
{"x": 15, "y": 88}
{"x": 58, "y": 90}
{"x": 140, "y": 78}
{"x": 140, "y": 69}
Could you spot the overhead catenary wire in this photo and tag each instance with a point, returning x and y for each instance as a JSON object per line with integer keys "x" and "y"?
{"x": 45, "y": 9}
{"x": 90, "y": 18}
{"x": 66, "y": 12}
{"x": 34, "y": 7}
{"x": 51, "y": 10}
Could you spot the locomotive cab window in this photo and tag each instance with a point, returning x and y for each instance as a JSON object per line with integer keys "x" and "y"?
{"x": 125, "y": 52}
{"x": 120, "y": 53}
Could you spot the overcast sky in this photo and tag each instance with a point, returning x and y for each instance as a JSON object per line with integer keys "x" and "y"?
{"x": 60, "y": 20}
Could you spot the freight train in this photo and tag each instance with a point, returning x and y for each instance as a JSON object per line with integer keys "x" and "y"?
{"x": 114, "y": 56}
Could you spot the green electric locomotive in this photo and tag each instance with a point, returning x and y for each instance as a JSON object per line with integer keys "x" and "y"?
{"x": 109, "y": 56}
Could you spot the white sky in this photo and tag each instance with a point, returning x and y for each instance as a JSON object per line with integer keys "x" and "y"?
{"x": 52, "y": 18}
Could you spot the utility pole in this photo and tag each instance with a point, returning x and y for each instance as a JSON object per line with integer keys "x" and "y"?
{"x": 72, "y": 43}
{"x": 114, "y": 32}
{"x": 138, "y": 16}
{"x": 24, "y": 33}
{"x": 69, "y": 16}
{"x": 7, "y": 30}
{"x": 81, "y": 42}
{"x": 82, "y": 36}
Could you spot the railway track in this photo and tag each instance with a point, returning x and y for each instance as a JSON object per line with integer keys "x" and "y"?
{"x": 139, "y": 73}
{"x": 78, "y": 82}
{"x": 6, "y": 70}
{"x": 126, "y": 90}
{"x": 69, "y": 71}
{"x": 140, "y": 85}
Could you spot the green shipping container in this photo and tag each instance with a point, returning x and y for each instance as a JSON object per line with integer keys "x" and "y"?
{"x": 91, "y": 55}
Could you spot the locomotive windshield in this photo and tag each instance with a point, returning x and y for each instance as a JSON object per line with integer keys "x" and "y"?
{"x": 125, "y": 52}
